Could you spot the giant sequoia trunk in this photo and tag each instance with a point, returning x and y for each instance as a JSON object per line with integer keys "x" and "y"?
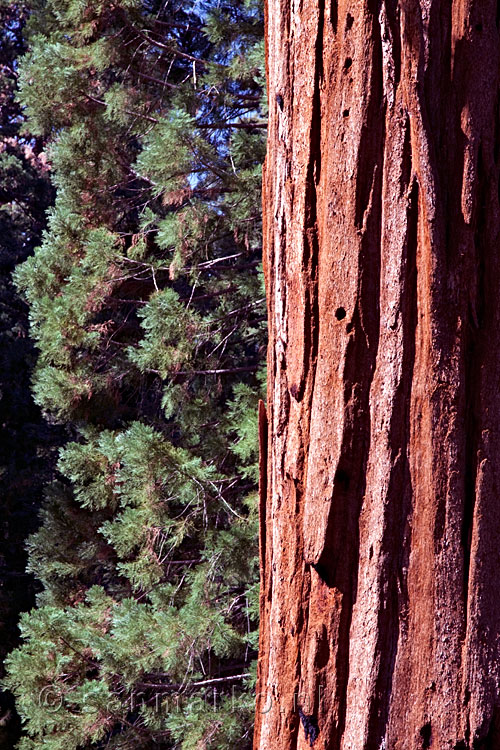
{"x": 380, "y": 523}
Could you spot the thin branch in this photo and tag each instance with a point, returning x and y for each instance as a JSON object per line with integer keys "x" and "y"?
{"x": 210, "y": 263}
{"x": 219, "y": 293}
{"x": 222, "y": 125}
{"x": 201, "y": 683}
{"x": 157, "y": 80}
{"x": 127, "y": 111}
{"x": 200, "y": 125}
{"x": 173, "y": 50}
{"x": 228, "y": 370}
{"x": 240, "y": 309}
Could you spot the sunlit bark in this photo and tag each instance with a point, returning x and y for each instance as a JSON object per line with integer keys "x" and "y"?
{"x": 380, "y": 598}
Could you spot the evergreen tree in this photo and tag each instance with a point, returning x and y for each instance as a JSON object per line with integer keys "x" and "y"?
{"x": 27, "y": 444}
{"x": 146, "y": 305}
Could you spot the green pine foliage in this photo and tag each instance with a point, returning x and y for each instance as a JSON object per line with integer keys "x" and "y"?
{"x": 28, "y": 446}
{"x": 147, "y": 307}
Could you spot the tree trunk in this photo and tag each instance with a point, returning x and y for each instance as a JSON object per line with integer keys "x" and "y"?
{"x": 380, "y": 595}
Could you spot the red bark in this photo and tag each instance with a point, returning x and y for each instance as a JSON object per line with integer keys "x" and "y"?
{"x": 380, "y": 598}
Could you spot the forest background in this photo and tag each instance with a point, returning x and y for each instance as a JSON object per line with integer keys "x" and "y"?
{"x": 133, "y": 338}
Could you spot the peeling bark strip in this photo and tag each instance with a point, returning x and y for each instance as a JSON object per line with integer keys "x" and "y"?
{"x": 380, "y": 599}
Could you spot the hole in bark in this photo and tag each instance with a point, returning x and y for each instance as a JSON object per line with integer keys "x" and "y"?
{"x": 349, "y": 327}
{"x": 425, "y": 734}
{"x": 349, "y": 22}
{"x": 340, "y": 313}
{"x": 347, "y": 63}
{"x": 345, "y": 113}
{"x": 371, "y": 552}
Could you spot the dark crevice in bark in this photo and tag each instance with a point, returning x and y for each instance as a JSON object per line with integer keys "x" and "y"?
{"x": 370, "y": 151}
{"x": 337, "y": 565}
{"x": 473, "y": 380}
{"x": 436, "y": 84}
{"x": 334, "y": 563}
{"x": 365, "y": 177}
{"x": 426, "y": 734}
{"x": 334, "y": 15}
{"x": 498, "y": 176}
{"x": 470, "y": 465}
{"x": 311, "y": 314}
{"x": 339, "y": 558}
{"x": 302, "y": 624}
{"x": 263, "y": 444}
{"x": 496, "y": 132}
{"x": 427, "y": 165}
{"x": 399, "y": 498}
{"x": 342, "y": 669}
{"x": 492, "y": 739}
{"x": 321, "y": 571}
{"x": 282, "y": 417}
{"x": 310, "y": 725}
{"x": 467, "y": 725}
{"x": 322, "y": 656}
{"x": 406, "y": 161}
{"x": 393, "y": 14}
{"x": 311, "y": 244}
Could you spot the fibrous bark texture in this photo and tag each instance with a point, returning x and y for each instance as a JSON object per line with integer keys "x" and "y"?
{"x": 380, "y": 591}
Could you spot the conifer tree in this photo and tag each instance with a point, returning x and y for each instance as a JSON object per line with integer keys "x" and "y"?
{"x": 27, "y": 443}
{"x": 146, "y": 305}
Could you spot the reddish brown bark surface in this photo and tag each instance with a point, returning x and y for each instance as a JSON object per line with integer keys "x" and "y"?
{"x": 380, "y": 533}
